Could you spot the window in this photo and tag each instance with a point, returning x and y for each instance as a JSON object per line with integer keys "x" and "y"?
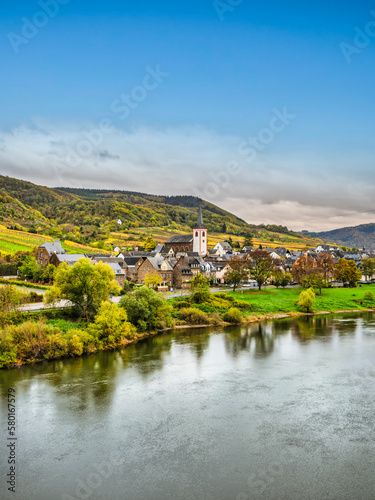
{"x": 203, "y": 234}
{"x": 196, "y": 234}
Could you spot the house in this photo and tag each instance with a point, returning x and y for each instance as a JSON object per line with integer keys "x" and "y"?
{"x": 119, "y": 272}
{"x": 70, "y": 258}
{"x": 155, "y": 265}
{"x": 45, "y": 251}
{"x": 182, "y": 275}
{"x": 222, "y": 248}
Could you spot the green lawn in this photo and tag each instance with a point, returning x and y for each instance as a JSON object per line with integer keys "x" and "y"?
{"x": 284, "y": 300}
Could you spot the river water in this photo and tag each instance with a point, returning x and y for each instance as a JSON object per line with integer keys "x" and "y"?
{"x": 279, "y": 410}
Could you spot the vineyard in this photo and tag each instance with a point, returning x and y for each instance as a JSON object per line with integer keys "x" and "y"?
{"x": 12, "y": 241}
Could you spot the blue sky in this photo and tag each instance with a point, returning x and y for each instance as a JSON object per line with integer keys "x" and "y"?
{"x": 226, "y": 66}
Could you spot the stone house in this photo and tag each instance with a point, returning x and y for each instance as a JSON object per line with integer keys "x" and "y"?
{"x": 44, "y": 253}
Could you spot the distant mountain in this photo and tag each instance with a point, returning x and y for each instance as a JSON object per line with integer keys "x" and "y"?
{"x": 362, "y": 236}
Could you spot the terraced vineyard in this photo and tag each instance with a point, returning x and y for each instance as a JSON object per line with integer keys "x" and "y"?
{"x": 12, "y": 241}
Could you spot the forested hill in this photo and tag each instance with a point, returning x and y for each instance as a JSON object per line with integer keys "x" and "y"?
{"x": 362, "y": 236}
{"x": 36, "y": 207}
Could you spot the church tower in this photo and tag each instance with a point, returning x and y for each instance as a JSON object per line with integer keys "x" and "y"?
{"x": 200, "y": 235}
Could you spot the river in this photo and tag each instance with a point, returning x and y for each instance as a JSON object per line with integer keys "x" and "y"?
{"x": 278, "y": 410}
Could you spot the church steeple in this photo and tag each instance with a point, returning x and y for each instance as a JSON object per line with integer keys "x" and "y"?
{"x": 200, "y": 234}
{"x": 200, "y": 217}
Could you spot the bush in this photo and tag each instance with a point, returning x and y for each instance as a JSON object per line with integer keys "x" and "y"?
{"x": 369, "y": 296}
{"x": 200, "y": 296}
{"x": 147, "y": 310}
{"x": 233, "y": 315}
{"x": 225, "y": 296}
{"x": 8, "y": 351}
{"x": 193, "y": 316}
{"x": 215, "y": 319}
{"x": 179, "y": 304}
{"x": 306, "y": 300}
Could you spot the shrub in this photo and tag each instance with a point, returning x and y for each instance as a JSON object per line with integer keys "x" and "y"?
{"x": 8, "y": 351}
{"x": 233, "y": 315}
{"x": 200, "y": 296}
{"x": 194, "y": 316}
{"x": 225, "y": 296}
{"x": 306, "y": 300}
{"x": 146, "y": 309}
{"x": 369, "y": 296}
{"x": 242, "y": 304}
{"x": 179, "y": 304}
{"x": 215, "y": 318}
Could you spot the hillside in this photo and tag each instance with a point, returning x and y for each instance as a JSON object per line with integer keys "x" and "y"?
{"x": 362, "y": 236}
{"x": 88, "y": 217}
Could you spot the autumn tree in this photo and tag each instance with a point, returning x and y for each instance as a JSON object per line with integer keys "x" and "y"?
{"x": 150, "y": 244}
{"x": 326, "y": 265}
{"x": 368, "y": 267}
{"x": 314, "y": 278}
{"x": 86, "y": 285}
{"x": 261, "y": 266}
{"x": 153, "y": 279}
{"x": 237, "y": 271}
{"x": 279, "y": 278}
{"x": 301, "y": 267}
{"x": 347, "y": 272}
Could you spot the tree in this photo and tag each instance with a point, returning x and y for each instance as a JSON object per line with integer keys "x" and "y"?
{"x": 147, "y": 310}
{"x": 200, "y": 288}
{"x": 237, "y": 271}
{"x": 248, "y": 241}
{"x": 29, "y": 268}
{"x": 306, "y": 300}
{"x": 368, "y": 267}
{"x": 150, "y": 244}
{"x": 347, "y": 272}
{"x": 153, "y": 279}
{"x": 86, "y": 285}
{"x": 111, "y": 325}
{"x": 314, "y": 278}
{"x": 10, "y": 299}
{"x": 280, "y": 278}
{"x": 301, "y": 267}
{"x": 326, "y": 265}
{"x": 261, "y": 266}
{"x": 224, "y": 228}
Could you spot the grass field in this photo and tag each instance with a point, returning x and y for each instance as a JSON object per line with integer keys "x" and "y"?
{"x": 272, "y": 301}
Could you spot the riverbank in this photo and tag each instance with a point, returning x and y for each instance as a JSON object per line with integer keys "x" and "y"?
{"x": 36, "y": 339}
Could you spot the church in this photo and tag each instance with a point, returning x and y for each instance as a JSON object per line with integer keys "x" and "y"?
{"x": 196, "y": 242}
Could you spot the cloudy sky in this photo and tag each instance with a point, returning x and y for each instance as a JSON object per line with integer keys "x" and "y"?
{"x": 263, "y": 108}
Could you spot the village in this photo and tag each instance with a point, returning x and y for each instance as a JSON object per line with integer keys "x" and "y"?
{"x": 174, "y": 264}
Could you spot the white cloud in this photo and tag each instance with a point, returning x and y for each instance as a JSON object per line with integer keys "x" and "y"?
{"x": 301, "y": 191}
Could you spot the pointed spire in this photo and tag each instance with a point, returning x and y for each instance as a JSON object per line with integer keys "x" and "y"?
{"x": 200, "y": 217}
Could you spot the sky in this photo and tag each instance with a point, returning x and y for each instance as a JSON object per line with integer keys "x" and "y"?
{"x": 263, "y": 108}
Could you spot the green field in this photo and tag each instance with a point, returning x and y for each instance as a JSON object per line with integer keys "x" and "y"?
{"x": 273, "y": 301}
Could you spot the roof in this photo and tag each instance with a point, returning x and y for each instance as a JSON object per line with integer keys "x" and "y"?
{"x": 200, "y": 223}
{"x": 116, "y": 268}
{"x": 54, "y": 247}
{"x": 71, "y": 257}
{"x": 225, "y": 245}
{"x": 131, "y": 261}
{"x": 180, "y": 238}
{"x": 157, "y": 262}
